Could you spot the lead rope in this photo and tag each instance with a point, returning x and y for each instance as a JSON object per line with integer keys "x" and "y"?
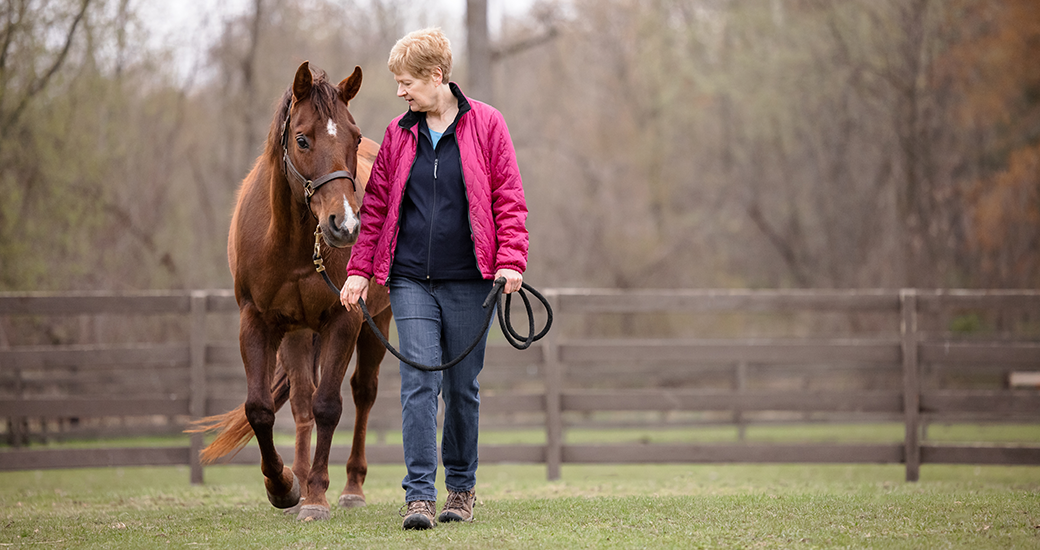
{"x": 494, "y": 297}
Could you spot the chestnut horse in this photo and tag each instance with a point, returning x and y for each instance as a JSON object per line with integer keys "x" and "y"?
{"x": 295, "y": 336}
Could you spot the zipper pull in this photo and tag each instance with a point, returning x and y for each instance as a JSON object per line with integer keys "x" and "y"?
{"x": 435, "y": 161}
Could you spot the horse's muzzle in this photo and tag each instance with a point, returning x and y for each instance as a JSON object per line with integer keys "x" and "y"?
{"x": 340, "y": 235}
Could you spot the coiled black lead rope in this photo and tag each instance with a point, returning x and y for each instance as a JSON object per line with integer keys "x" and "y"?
{"x": 495, "y": 296}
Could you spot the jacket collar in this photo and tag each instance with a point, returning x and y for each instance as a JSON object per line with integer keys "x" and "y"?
{"x": 411, "y": 118}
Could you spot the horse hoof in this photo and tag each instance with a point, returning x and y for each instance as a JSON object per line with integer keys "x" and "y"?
{"x": 292, "y": 511}
{"x": 288, "y": 500}
{"x": 313, "y": 512}
{"x": 351, "y": 501}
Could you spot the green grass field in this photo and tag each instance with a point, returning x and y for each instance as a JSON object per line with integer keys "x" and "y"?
{"x": 680, "y": 506}
{"x": 660, "y": 506}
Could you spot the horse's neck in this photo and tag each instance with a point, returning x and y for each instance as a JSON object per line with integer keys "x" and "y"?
{"x": 290, "y": 223}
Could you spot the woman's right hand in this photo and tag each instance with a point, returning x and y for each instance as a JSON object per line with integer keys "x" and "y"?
{"x": 355, "y": 287}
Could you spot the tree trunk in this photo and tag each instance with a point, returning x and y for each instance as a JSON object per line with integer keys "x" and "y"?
{"x": 478, "y": 49}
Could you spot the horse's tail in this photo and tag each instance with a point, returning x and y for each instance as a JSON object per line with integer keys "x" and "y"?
{"x": 233, "y": 425}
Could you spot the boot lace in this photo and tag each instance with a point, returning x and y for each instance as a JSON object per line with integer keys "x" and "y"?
{"x": 457, "y": 501}
{"x": 416, "y": 507}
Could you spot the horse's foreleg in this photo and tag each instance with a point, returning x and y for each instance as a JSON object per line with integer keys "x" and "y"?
{"x": 337, "y": 344}
{"x": 364, "y": 385}
{"x": 297, "y": 360}
{"x": 259, "y": 345}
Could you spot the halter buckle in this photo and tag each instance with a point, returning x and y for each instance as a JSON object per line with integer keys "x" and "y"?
{"x": 319, "y": 262}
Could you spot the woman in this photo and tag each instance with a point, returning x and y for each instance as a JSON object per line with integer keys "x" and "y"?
{"x": 443, "y": 217}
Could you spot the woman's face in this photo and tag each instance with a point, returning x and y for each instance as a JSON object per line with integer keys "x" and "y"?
{"x": 420, "y": 93}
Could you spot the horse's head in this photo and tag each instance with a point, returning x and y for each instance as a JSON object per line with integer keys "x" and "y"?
{"x": 319, "y": 152}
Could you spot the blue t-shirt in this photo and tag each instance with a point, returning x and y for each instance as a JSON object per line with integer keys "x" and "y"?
{"x": 435, "y": 137}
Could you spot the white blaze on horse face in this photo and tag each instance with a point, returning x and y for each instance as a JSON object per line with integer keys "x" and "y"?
{"x": 331, "y": 127}
{"x": 351, "y": 221}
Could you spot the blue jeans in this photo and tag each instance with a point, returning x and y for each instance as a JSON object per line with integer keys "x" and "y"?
{"x": 436, "y": 321}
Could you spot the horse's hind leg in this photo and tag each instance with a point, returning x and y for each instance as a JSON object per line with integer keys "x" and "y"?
{"x": 259, "y": 345}
{"x": 364, "y": 385}
{"x": 297, "y": 361}
{"x": 336, "y": 344}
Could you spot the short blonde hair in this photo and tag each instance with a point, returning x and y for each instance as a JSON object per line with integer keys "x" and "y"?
{"x": 420, "y": 52}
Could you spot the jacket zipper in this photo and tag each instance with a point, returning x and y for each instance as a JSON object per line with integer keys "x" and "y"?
{"x": 433, "y": 216}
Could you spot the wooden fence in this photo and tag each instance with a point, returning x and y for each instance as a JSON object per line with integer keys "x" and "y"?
{"x": 675, "y": 357}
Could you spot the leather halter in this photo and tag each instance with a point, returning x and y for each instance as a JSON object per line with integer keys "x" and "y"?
{"x": 309, "y": 186}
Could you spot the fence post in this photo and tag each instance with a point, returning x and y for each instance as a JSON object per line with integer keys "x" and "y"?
{"x": 553, "y": 405}
{"x": 14, "y": 425}
{"x": 18, "y": 430}
{"x": 197, "y": 398}
{"x": 741, "y": 387}
{"x": 911, "y": 383}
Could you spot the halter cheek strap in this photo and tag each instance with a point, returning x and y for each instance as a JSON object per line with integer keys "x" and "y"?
{"x": 309, "y": 186}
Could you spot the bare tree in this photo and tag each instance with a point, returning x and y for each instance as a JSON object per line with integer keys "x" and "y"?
{"x": 20, "y": 82}
{"x": 478, "y": 50}
{"x": 663, "y": 142}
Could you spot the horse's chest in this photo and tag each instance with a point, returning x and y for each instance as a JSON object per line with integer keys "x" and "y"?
{"x": 293, "y": 306}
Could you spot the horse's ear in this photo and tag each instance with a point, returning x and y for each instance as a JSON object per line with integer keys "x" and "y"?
{"x": 349, "y": 87}
{"x": 301, "y": 87}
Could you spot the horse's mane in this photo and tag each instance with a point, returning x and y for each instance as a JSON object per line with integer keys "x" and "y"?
{"x": 324, "y": 95}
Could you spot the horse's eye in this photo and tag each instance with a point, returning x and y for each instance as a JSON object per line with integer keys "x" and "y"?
{"x": 302, "y": 142}
{"x": 359, "y": 140}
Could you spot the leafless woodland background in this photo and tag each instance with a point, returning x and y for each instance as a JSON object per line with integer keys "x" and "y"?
{"x": 663, "y": 143}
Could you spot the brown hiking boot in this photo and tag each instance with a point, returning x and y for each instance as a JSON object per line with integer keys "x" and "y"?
{"x": 459, "y": 507}
{"x": 420, "y": 514}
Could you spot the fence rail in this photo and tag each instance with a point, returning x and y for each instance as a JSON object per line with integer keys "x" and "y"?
{"x": 576, "y": 374}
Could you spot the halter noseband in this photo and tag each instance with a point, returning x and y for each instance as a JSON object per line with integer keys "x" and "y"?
{"x": 309, "y": 186}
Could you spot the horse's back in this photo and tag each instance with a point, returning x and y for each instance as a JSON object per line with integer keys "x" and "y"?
{"x": 366, "y": 157}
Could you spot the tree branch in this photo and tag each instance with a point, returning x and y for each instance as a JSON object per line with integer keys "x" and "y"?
{"x": 785, "y": 249}
{"x": 10, "y": 28}
{"x": 502, "y": 52}
{"x": 41, "y": 82}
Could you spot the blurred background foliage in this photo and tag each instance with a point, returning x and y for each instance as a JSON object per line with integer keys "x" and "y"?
{"x": 664, "y": 143}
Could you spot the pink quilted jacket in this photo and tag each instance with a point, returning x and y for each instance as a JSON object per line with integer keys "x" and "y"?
{"x": 497, "y": 209}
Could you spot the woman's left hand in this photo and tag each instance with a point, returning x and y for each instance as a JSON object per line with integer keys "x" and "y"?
{"x": 513, "y": 279}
